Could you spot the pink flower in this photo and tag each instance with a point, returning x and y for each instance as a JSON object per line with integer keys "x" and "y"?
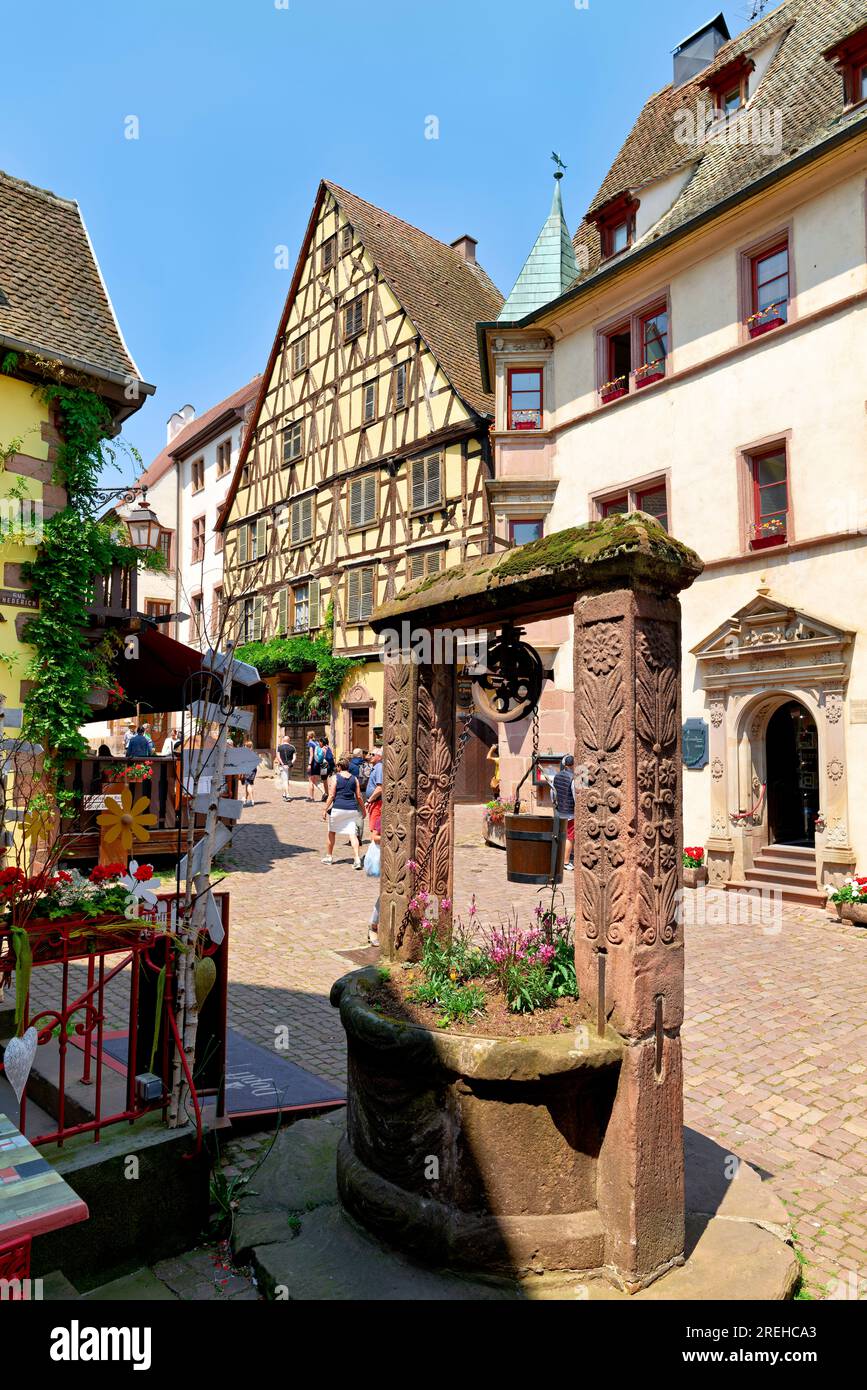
{"x": 413, "y": 904}
{"x": 411, "y": 864}
{"x": 445, "y": 904}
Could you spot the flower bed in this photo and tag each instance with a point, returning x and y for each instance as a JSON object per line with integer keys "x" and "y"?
{"x": 613, "y": 390}
{"x": 694, "y": 870}
{"x": 495, "y": 822}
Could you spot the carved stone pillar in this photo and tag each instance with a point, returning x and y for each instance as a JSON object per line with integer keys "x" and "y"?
{"x": 418, "y": 816}
{"x": 629, "y": 946}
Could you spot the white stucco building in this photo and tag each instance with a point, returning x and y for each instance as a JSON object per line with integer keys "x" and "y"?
{"x": 704, "y": 362}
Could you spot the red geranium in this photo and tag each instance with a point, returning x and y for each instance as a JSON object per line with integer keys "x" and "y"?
{"x": 144, "y": 872}
{"x": 10, "y": 876}
{"x": 102, "y": 872}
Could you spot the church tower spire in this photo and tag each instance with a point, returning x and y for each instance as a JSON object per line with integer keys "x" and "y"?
{"x": 551, "y": 266}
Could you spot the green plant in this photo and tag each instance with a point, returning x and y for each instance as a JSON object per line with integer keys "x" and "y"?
{"x": 302, "y": 653}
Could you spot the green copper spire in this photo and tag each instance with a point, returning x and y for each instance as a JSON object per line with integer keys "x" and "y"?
{"x": 550, "y": 267}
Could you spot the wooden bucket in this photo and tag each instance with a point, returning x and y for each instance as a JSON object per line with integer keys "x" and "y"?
{"x": 535, "y": 848}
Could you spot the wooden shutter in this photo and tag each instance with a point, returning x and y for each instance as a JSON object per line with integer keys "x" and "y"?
{"x": 257, "y": 618}
{"x": 366, "y": 593}
{"x": 356, "y": 501}
{"x": 307, "y": 518}
{"x": 418, "y": 485}
{"x": 313, "y": 603}
{"x": 295, "y": 523}
{"x": 370, "y": 497}
{"x": 353, "y": 591}
{"x": 283, "y": 610}
{"x": 243, "y": 544}
{"x": 433, "y": 480}
{"x": 416, "y": 566}
{"x": 261, "y": 536}
{"x": 434, "y": 562}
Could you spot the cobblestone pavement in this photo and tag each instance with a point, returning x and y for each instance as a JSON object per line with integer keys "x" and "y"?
{"x": 775, "y": 1043}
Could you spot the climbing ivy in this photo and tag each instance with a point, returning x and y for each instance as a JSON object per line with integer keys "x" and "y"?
{"x": 302, "y": 653}
{"x": 74, "y": 550}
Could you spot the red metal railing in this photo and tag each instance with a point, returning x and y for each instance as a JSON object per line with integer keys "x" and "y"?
{"x": 136, "y": 954}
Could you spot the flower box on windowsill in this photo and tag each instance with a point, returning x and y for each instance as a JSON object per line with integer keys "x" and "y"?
{"x": 645, "y": 379}
{"x": 764, "y": 326}
{"x": 613, "y": 391}
{"x": 763, "y": 540}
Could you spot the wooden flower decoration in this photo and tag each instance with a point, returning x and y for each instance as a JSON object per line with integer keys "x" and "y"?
{"x": 38, "y": 825}
{"x": 125, "y": 819}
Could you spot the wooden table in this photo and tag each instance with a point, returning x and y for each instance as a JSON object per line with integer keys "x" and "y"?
{"x": 33, "y": 1199}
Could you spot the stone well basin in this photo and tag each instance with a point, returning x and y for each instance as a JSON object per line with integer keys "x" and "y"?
{"x": 474, "y": 1153}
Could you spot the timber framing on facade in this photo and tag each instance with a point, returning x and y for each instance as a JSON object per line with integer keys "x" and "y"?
{"x": 366, "y": 456}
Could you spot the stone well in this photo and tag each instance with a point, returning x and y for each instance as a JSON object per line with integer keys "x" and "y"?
{"x": 475, "y": 1153}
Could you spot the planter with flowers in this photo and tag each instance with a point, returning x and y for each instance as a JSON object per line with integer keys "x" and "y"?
{"x": 768, "y": 533}
{"x": 651, "y": 371}
{"x": 849, "y": 901}
{"x": 614, "y": 389}
{"x": 477, "y": 1053}
{"x": 694, "y": 868}
{"x": 495, "y": 822}
{"x": 764, "y": 321}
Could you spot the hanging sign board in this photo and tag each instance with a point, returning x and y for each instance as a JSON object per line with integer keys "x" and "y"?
{"x": 240, "y": 762}
{"x": 212, "y": 714}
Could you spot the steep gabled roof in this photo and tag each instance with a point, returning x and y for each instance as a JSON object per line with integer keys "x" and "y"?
{"x": 443, "y": 294}
{"x": 550, "y": 267}
{"x": 799, "y": 87}
{"x": 53, "y": 299}
{"x": 185, "y": 440}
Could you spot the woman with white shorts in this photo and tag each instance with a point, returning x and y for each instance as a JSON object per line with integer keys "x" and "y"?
{"x": 344, "y": 810}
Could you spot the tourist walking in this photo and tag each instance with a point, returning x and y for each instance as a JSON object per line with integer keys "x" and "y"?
{"x": 564, "y": 792}
{"x": 343, "y": 807}
{"x": 314, "y": 758}
{"x": 248, "y": 781}
{"x": 373, "y": 805}
{"x": 285, "y": 762}
{"x": 326, "y": 766}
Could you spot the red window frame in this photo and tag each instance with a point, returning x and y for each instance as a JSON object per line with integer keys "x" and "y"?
{"x": 537, "y": 410}
{"x": 658, "y": 363}
{"x": 859, "y": 83}
{"x": 653, "y": 491}
{"x": 759, "y": 538}
{"x": 526, "y": 521}
{"x": 759, "y": 260}
{"x": 197, "y": 540}
{"x": 615, "y": 506}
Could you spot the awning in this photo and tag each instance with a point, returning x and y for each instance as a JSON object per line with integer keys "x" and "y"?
{"x": 155, "y": 680}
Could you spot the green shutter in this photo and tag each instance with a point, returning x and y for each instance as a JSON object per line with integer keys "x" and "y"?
{"x": 313, "y": 603}
{"x": 283, "y": 610}
{"x": 352, "y": 596}
{"x": 295, "y": 523}
{"x": 418, "y": 485}
{"x": 261, "y": 537}
{"x": 257, "y": 618}
{"x": 243, "y": 538}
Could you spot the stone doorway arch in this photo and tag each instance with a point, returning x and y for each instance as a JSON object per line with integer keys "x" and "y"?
{"x": 764, "y": 657}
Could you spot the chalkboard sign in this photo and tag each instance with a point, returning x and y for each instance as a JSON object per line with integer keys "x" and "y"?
{"x": 695, "y": 737}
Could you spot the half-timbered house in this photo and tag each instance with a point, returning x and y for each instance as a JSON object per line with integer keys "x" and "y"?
{"x": 365, "y": 460}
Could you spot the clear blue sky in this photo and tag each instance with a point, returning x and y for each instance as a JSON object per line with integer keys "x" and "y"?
{"x": 244, "y": 104}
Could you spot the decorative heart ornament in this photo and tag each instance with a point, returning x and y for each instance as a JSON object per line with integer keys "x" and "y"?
{"x": 19, "y": 1058}
{"x": 204, "y": 978}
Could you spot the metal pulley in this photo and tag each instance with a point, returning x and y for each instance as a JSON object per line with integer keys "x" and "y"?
{"x": 510, "y": 685}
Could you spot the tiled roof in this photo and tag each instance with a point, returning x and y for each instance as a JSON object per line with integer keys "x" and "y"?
{"x": 444, "y": 295}
{"x": 550, "y": 267}
{"x": 52, "y": 294}
{"x": 186, "y": 438}
{"x": 799, "y": 85}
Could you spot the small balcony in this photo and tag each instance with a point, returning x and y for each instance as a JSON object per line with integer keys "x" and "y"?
{"x": 169, "y": 801}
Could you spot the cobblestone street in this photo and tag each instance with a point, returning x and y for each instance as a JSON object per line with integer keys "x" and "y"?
{"x": 775, "y": 1049}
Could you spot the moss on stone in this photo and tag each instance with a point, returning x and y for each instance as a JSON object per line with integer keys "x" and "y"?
{"x": 597, "y": 540}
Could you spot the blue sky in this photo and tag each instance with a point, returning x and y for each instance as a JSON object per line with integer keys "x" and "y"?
{"x": 244, "y": 104}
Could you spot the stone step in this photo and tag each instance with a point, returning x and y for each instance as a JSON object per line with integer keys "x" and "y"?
{"x": 800, "y": 897}
{"x": 788, "y": 854}
{"x": 793, "y": 878}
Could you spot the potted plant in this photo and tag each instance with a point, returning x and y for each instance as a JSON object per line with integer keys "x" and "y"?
{"x": 694, "y": 869}
{"x": 764, "y": 320}
{"x": 651, "y": 371}
{"x": 494, "y": 824}
{"x": 614, "y": 389}
{"x": 768, "y": 533}
{"x": 850, "y": 899}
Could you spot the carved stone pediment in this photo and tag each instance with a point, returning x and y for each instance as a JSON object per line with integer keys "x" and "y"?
{"x": 358, "y": 695}
{"x": 770, "y": 640}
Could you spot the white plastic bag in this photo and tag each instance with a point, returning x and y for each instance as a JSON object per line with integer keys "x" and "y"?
{"x": 371, "y": 860}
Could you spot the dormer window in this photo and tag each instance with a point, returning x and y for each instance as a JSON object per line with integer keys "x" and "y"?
{"x": 616, "y": 223}
{"x": 728, "y": 87}
{"x": 850, "y": 60}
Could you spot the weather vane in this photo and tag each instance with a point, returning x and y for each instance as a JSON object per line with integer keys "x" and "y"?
{"x": 558, "y": 173}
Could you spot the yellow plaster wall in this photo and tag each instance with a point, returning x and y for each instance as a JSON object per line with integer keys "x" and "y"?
{"x": 22, "y": 416}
